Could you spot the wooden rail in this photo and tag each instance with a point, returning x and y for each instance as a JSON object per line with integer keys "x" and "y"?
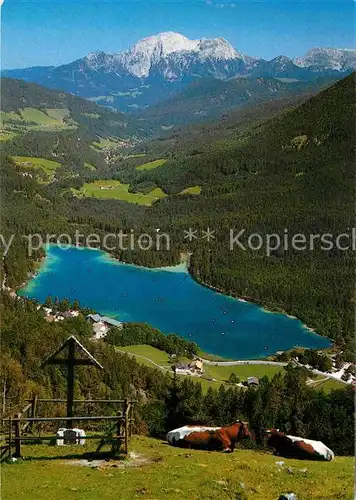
{"x": 20, "y": 422}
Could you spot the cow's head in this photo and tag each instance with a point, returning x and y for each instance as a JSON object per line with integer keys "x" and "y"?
{"x": 244, "y": 432}
{"x": 274, "y": 436}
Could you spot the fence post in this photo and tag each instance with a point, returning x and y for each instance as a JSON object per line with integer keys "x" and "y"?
{"x": 131, "y": 419}
{"x": 33, "y": 410}
{"x": 10, "y": 438}
{"x": 126, "y": 422}
{"x": 17, "y": 436}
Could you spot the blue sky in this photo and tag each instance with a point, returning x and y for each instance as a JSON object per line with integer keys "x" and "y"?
{"x": 48, "y": 32}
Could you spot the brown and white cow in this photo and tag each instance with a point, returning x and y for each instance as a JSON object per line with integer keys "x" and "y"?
{"x": 297, "y": 447}
{"x": 209, "y": 438}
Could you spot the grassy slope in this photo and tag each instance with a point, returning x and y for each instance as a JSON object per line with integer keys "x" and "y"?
{"x": 220, "y": 373}
{"x": 157, "y": 356}
{"x": 176, "y": 474}
{"x": 191, "y": 190}
{"x": 151, "y": 164}
{"x": 119, "y": 191}
{"x": 242, "y": 371}
{"x": 38, "y": 116}
{"x": 48, "y": 167}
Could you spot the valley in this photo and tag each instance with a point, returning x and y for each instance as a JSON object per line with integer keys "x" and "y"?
{"x": 174, "y": 183}
{"x": 194, "y": 140}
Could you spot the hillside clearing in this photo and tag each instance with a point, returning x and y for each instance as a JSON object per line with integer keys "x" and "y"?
{"x": 152, "y": 353}
{"x": 174, "y": 473}
{"x": 38, "y": 116}
{"x": 58, "y": 113}
{"x": 152, "y": 164}
{"x": 242, "y": 371}
{"x": 118, "y": 191}
{"x": 191, "y": 190}
{"x": 110, "y": 142}
{"x": 48, "y": 167}
{"x": 7, "y": 135}
{"x": 326, "y": 385}
{"x": 51, "y": 119}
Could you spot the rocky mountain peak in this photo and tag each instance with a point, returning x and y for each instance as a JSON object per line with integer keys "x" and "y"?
{"x": 321, "y": 58}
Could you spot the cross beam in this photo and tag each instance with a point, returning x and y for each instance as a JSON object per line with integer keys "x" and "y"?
{"x": 71, "y": 361}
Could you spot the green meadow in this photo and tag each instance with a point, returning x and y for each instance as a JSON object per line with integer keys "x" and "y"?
{"x": 105, "y": 143}
{"x": 48, "y": 167}
{"x": 152, "y": 164}
{"x": 242, "y": 371}
{"x": 7, "y": 135}
{"x": 191, "y": 190}
{"x": 36, "y": 119}
{"x": 146, "y": 351}
{"x": 326, "y": 385}
{"x": 157, "y": 471}
{"x": 150, "y": 356}
{"x": 116, "y": 190}
{"x": 213, "y": 375}
{"x": 10, "y": 116}
{"x": 58, "y": 114}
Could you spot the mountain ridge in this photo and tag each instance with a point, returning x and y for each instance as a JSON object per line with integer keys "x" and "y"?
{"x": 157, "y": 67}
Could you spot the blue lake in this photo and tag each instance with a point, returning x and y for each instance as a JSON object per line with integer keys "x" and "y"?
{"x": 168, "y": 299}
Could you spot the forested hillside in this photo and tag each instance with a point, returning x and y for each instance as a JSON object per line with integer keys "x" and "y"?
{"x": 290, "y": 173}
{"x": 17, "y": 95}
{"x": 80, "y": 136}
{"x": 207, "y": 99}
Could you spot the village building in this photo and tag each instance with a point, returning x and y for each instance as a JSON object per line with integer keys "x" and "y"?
{"x": 70, "y": 314}
{"x": 252, "y": 382}
{"x": 102, "y": 324}
{"x": 193, "y": 368}
{"x": 197, "y": 366}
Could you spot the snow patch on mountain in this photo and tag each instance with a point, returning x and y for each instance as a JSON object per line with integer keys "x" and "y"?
{"x": 170, "y": 48}
{"x": 321, "y": 59}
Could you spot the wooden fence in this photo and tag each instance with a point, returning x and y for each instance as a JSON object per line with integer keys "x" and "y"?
{"x": 21, "y": 424}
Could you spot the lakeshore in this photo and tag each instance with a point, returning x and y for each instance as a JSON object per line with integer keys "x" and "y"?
{"x": 171, "y": 301}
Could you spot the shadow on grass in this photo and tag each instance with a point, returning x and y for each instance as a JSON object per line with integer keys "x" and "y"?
{"x": 71, "y": 455}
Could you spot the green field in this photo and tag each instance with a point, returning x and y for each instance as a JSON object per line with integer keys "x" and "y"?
{"x": 116, "y": 190}
{"x": 7, "y": 135}
{"x": 37, "y": 119}
{"x": 58, "y": 113}
{"x": 38, "y": 116}
{"x": 89, "y": 166}
{"x": 172, "y": 473}
{"x": 105, "y": 143}
{"x": 157, "y": 356}
{"x": 191, "y": 190}
{"x": 48, "y": 167}
{"x": 242, "y": 371}
{"x": 326, "y": 385}
{"x": 10, "y": 116}
{"x": 220, "y": 374}
{"x": 151, "y": 164}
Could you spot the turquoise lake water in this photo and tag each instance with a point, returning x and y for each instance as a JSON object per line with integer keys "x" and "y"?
{"x": 168, "y": 299}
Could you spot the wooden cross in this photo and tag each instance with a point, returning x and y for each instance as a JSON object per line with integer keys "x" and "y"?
{"x": 71, "y": 361}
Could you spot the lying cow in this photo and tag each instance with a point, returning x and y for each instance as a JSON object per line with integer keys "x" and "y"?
{"x": 209, "y": 438}
{"x": 297, "y": 447}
